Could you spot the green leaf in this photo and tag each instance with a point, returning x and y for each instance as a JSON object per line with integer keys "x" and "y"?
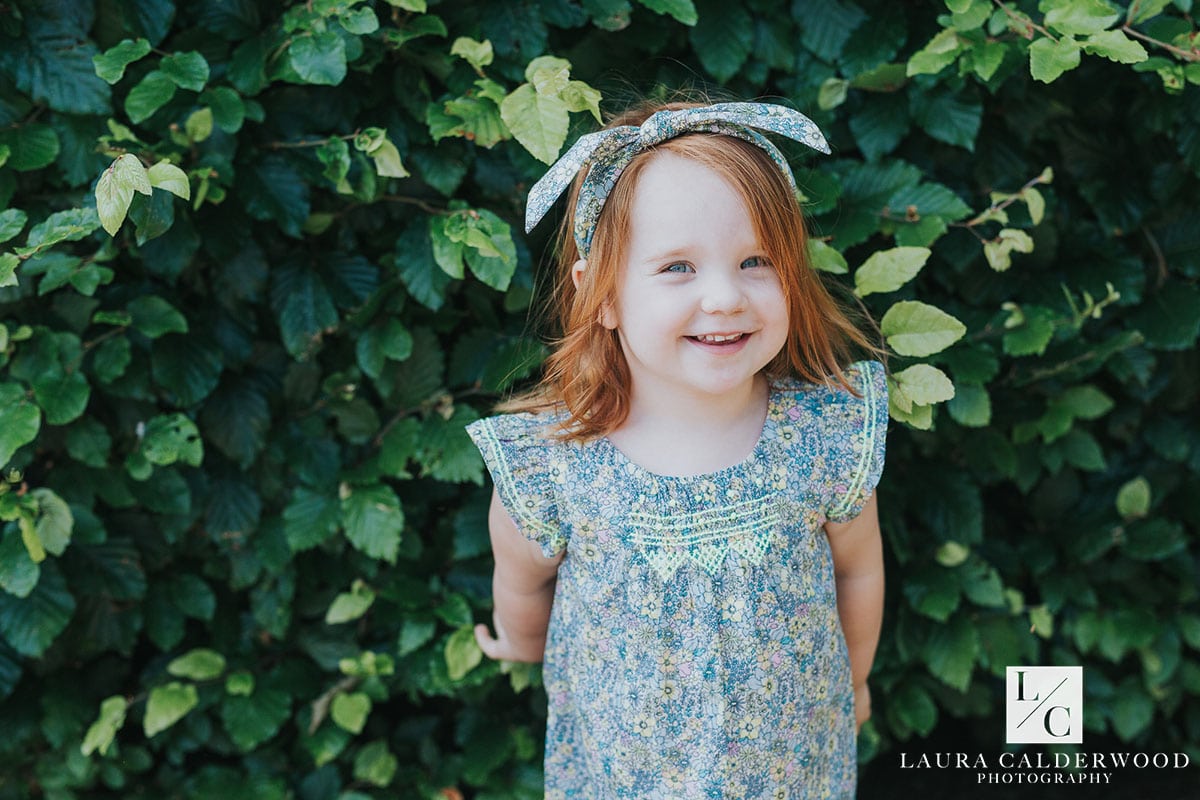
{"x": 833, "y": 93}
{"x": 350, "y": 711}
{"x": 722, "y": 38}
{"x": 252, "y": 719}
{"x": 63, "y": 395}
{"x": 20, "y": 420}
{"x": 1079, "y": 17}
{"x": 188, "y": 367}
{"x": 682, "y": 10}
{"x": 153, "y": 92}
{"x": 923, "y": 384}
{"x": 111, "y": 359}
{"x": 193, "y": 596}
{"x": 100, "y": 734}
{"x": 1084, "y": 402}
{"x": 888, "y": 270}
{"x": 54, "y": 522}
{"x": 940, "y": 52}
{"x": 477, "y": 54}
{"x": 548, "y": 74}
{"x": 1155, "y": 539}
{"x": 167, "y": 176}
{"x": 359, "y": 21}
{"x": 950, "y": 117}
{"x": 155, "y": 317}
{"x": 917, "y": 329}
{"x": 971, "y": 406}
{"x": 951, "y": 650}
{"x": 309, "y": 519}
{"x": 19, "y": 573}
{"x": 375, "y": 765}
{"x": 350, "y": 605}
{"x": 1115, "y": 46}
{"x": 462, "y": 652}
{"x": 167, "y": 705}
{"x": 914, "y": 708}
{"x": 228, "y": 110}
{"x": 1081, "y": 450}
{"x": 319, "y": 58}
{"x": 387, "y": 161}
{"x": 1133, "y": 498}
{"x": 8, "y": 267}
{"x": 1032, "y": 334}
{"x": 199, "y": 125}
{"x": 186, "y": 70}
{"x": 419, "y": 6}
{"x": 1170, "y": 318}
{"x": 172, "y": 437}
{"x": 539, "y": 122}
{"x": 1132, "y": 711}
{"x": 273, "y": 189}
{"x": 110, "y": 65}
{"x": 373, "y": 520}
{"x": 12, "y": 221}
{"x": 306, "y": 310}
{"x": 30, "y": 147}
{"x": 31, "y": 624}
{"x": 579, "y": 96}
{"x": 999, "y": 251}
{"x": 825, "y": 258}
{"x": 239, "y": 684}
{"x": 200, "y": 664}
{"x": 382, "y": 341}
{"x": 1041, "y": 621}
{"x": 1049, "y": 59}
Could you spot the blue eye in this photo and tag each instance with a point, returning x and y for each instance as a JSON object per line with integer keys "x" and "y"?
{"x": 756, "y": 261}
{"x": 678, "y": 268}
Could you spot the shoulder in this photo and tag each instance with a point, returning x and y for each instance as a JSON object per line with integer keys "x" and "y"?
{"x": 794, "y": 397}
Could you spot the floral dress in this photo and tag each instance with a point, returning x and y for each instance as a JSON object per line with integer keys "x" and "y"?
{"x": 694, "y": 648}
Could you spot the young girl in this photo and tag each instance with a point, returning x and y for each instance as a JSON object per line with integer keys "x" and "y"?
{"x": 683, "y": 521}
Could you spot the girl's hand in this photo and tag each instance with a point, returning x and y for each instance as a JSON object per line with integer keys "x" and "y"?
{"x": 862, "y": 705}
{"x": 500, "y": 647}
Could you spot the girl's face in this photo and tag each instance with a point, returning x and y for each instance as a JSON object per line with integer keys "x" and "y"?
{"x": 699, "y": 308}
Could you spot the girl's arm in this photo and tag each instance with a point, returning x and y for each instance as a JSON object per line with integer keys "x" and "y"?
{"x": 858, "y": 569}
{"x": 523, "y": 588}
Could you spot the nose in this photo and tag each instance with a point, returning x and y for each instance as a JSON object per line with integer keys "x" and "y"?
{"x": 722, "y": 293}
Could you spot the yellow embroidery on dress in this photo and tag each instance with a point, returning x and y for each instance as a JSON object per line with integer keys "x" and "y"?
{"x": 705, "y": 537}
{"x": 864, "y": 456}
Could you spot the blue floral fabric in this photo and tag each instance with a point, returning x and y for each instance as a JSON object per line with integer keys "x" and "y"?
{"x": 694, "y": 648}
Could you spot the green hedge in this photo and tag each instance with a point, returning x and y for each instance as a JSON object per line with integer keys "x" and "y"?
{"x": 244, "y": 536}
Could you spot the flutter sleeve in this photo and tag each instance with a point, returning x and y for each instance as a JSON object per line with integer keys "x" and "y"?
{"x": 523, "y": 463}
{"x": 854, "y": 432}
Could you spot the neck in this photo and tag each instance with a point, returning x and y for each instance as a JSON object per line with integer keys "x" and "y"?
{"x": 667, "y": 410}
{"x": 682, "y": 434}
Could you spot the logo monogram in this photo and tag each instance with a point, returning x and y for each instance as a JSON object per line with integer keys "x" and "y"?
{"x": 1044, "y": 704}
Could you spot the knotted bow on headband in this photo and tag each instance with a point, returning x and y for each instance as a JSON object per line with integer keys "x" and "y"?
{"x": 609, "y": 151}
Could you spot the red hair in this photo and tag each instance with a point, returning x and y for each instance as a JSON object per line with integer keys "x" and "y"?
{"x": 586, "y": 371}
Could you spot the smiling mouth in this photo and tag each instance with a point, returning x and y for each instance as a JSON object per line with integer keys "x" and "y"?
{"x": 719, "y": 338}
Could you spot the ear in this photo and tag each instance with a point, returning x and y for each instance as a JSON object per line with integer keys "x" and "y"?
{"x": 577, "y": 270}
{"x": 608, "y": 314}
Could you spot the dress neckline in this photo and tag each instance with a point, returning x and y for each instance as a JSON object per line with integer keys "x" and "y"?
{"x": 774, "y": 392}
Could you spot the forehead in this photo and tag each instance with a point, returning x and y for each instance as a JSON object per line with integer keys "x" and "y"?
{"x": 678, "y": 198}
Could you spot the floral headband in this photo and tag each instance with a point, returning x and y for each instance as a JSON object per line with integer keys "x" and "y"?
{"x": 609, "y": 151}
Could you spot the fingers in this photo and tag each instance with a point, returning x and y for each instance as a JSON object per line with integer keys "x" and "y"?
{"x": 487, "y": 644}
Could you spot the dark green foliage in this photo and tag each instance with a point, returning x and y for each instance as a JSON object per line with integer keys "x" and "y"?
{"x": 260, "y": 263}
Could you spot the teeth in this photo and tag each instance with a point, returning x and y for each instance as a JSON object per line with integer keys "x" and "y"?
{"x": 710, "y": 338}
